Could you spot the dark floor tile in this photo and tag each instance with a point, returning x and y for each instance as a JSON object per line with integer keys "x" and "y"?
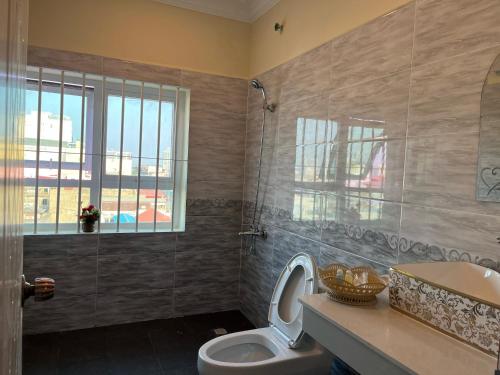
{"x": 40, "y": 369}
{"x": 88, "y": 367}
{"x": 159, "y": 347}
{"x": 134, "y": 366}
{"x": 40, "y": 354}
{"x": 82, "y": 345}
{"x": 189, "y": 370}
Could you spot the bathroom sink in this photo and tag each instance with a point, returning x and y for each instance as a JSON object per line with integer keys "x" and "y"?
{"x": 458, "y": 298}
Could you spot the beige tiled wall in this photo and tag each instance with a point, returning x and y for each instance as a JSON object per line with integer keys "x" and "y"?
{"x": 417, "y": 73}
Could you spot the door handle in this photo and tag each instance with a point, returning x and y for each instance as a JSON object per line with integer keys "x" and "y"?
{"x": 42, "y": 289}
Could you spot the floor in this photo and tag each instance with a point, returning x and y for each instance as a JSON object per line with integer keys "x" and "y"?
{"x": 157, "y": 347}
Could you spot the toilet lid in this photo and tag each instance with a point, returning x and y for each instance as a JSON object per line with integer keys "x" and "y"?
{"x": 298, "y": 278}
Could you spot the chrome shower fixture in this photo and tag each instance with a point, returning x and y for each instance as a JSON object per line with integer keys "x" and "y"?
{"x": 256, "y": 84}
{"x": 255, "y": 228}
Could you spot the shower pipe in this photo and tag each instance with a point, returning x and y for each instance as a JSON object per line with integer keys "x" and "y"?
{"x": 255, "y": 230}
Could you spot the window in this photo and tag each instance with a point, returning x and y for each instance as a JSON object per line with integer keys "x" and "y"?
{"x": 118, "y": 144}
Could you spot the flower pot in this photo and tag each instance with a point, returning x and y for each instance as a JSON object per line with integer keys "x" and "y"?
{"x": 88, "y": 227}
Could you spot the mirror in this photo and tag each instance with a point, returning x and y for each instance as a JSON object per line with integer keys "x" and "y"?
{"x": 488, "y": 179}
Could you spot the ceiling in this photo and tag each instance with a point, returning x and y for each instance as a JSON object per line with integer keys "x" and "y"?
{"x": 240, "y": 10}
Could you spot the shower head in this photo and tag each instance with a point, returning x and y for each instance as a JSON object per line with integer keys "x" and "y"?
{"x": 256, "y": 84}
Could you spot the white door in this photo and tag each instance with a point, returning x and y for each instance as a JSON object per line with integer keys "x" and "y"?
{"x": 13, "y": 35}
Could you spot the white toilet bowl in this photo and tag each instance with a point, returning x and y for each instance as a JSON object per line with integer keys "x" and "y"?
{"x": 281, "y": 348}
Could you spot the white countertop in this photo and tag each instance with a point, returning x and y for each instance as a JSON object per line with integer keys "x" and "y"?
{"x": 400, "y": 339}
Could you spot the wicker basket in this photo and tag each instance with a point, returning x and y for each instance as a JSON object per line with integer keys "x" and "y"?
{"x": 345, "y": 292}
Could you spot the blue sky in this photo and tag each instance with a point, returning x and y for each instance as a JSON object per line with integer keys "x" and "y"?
{"x": 72, "y": 109}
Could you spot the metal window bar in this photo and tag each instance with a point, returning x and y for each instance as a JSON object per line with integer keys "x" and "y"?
{"x": 315, "y": 149}
{"x": 349, "y": 147}
{"x": 59, "y": 183}
{"x": 361, "y": 169}
{"x": 140, "y": 160}
{"x": 37, "y": 170}
{"x": 302, "y": 141}
{"x": 61, "y": 122}
{"x": 157, "y": 158}
{"x": 102, "y": 156}
{"x": 174, "y": 156}
{"x": 120, "y": 166}
{"x": 82, "y": 131}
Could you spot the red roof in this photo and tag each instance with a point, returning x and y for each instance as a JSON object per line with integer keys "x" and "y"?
{"x": 148, "y": 216}
{"x": 150, "y": 193}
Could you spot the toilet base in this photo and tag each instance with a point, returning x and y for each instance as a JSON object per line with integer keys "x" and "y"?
{"x": 219, "y": 356}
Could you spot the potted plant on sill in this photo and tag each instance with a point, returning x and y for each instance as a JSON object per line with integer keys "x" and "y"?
{"x": 88, "y": 217}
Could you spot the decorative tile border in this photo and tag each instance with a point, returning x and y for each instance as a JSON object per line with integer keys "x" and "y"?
{"x": 213, "y": 207}
{"x": 464, "y": 318}
{"x": 440, "y": 254}
{"x": 406, "y": 248}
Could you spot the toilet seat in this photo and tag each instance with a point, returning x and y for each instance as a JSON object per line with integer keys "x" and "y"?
{"x": 298, "y": 278}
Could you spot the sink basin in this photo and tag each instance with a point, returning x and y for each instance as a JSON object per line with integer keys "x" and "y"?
{"x": 458, "y": 298}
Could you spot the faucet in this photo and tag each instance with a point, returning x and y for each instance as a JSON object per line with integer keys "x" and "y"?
{"x": 254, "y": 232}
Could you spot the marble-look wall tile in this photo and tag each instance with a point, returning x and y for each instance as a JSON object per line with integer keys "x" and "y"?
{"x": 254, "y": 128}
{"x": 219, "y": 131}
{"x": 286, "y": 245}
{"x": 300, "y": 81}
{"x": 446, "y": 28}
{"x": 140, "y": 72}
{"x": 374, "y": 50}
{"x": 432, "y": 234}
{"x": 118, "y": 307}
{"x": 268, "y": 177}
{"x": 446, "y": 95}
{"x": 380, "y": 104}
{"x": 135, "y": 272}
{"x": 329, "y": 255}
{"x": 216, "y": 146}
{"x": 272, "y": 81}
{"x": 200, "y": 299}
{"x": 441, "y": 172}
{"x": 136, "y": 243}
{"x": 60, "y": 245}
{"x": 216, "y": 92}
{"x": 64, "y": 60}
{"x": 379, "y": 176}
{"x": 298, "y": 121}
{"x": 304, "y": 219}
{"x": 266, "y": 200}
{"x": 205, "y": 232}
{"x": 216, "y": 206}
{"x": 256, "y": 280}
{"x": 264, "y": 215}
{"x": 75, "y": 275}
{"x": 254, "y": 307}
{"x": 403, "y": 106}
{"x": 62, "y": 313}
{"x": 268, "y": 165}
{"x": 215, "y": 190}
{"x": 365, "y": 227}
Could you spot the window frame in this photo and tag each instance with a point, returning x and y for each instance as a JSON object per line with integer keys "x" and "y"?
{"x": 97, "y": 94}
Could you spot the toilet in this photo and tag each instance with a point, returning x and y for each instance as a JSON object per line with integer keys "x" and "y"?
{"x": 281, "y": 348}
